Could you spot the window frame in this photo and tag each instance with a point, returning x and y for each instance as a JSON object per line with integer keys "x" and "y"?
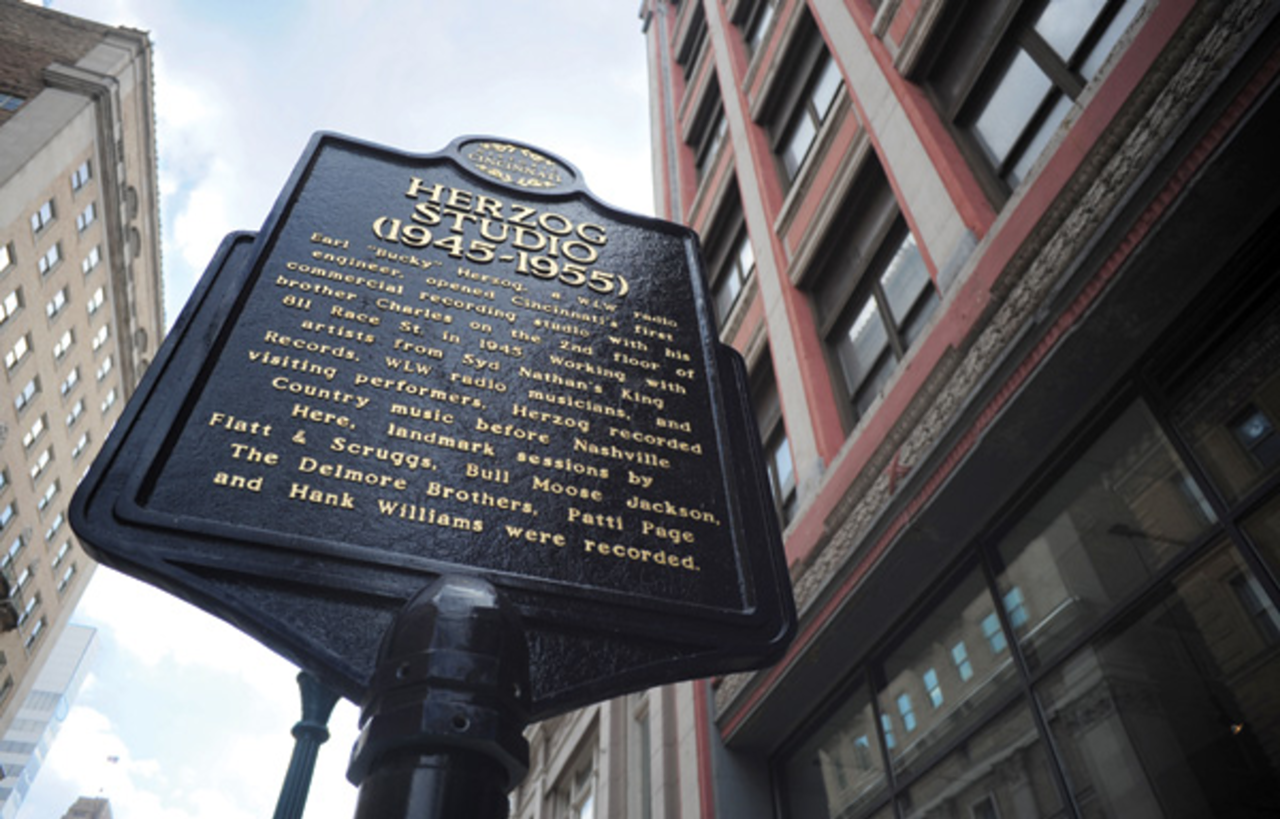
{"x": 805, "y": 64}
{"x": 860, "y": 250}
{"x": 766, "y": 400}
{"x": 974, "y": 45}
{"x": 43, "y": 216}
{"x": 81, "y": 176}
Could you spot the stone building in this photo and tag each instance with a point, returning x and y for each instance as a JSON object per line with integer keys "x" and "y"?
{"x": 80, "y": 298}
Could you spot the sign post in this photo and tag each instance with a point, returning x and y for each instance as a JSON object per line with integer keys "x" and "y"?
{"x": 456, "y": 365}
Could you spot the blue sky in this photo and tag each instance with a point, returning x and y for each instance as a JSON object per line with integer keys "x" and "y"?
{"x": 196, "y": 714}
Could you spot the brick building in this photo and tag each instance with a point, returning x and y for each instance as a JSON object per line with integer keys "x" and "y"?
{"x": 1005, "y": 276}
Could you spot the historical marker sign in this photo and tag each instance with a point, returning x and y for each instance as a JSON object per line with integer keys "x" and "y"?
{"x": 458, "y": 362}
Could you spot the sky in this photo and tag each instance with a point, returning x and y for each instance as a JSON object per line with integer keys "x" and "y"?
{"x": 182, "y": 716}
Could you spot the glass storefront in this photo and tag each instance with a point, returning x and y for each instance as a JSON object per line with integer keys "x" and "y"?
{"x": 1112, "y": 652}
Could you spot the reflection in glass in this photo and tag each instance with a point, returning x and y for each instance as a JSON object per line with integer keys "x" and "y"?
{"x": 1107, "y": 41}
{"x": 936, "y": 667}
{"x": 863, "y": 345}
{"x": 1064, "y": 23}
{"x": 1001, "y": 771}
{"x": 1264, "y": 529}
{"x": 839, "y": 770}
{"x": 1177, "y": 713}
{"x": 1101, "y": 531}
{"x": 904, "y": 280}
{"x": 1231, "y": 411}
{"x": 1017, "y": 96}
{"x": 1044, "y": 132}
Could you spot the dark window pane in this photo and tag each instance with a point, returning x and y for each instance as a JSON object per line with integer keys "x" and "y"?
{"x": 1002, "y": 771}
{"x": 1115, "y": 518}
{"x": 1232, "y": 408}
{"x": 970, "y": 679}
{"x": 1175, "y": 713}
{"x": 840, "y": 769}
{"x": 1264, "y": 527}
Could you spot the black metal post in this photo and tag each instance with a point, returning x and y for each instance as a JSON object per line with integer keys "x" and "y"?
{"x": 443, "y": 725}
{"x": 309, "y": 734}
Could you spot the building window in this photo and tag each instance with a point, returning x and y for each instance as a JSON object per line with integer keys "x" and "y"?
{"x": 932, "y": 687}
{"x": 54, "y": 526}
{"x": 708, "y": 131}
{"x": 773, "y": 436}
{"x": 69, "y": 383}
{"x": 803, "y": 106}
{"x": 6, "y": 257}
{"x": 874, "y": 295}
{"x": 17, "y": 352}
{"x": 754, "y": 23}
{"x": 1103, "y": 519}
{"x": 41, "y": 463}
{"x": 50, "y": 493}
{"x": 36, "y": 431}
{"x": 886, "y": 725}
{"x": 4, "y": 479}
{"x": 731, "y": 261}
{"x": 36, "y": 631}
{"x": 67, "y": 577}
{"x": 7, "y": 513}
{"x": 55, "y": 305}
{"x": 960, "y": 656}
{"x": 1015, "y": 606}
{"x": 836, "y": 772}
{"x": 51, "y": 258}
{"x": 1010, "y": 70}
{"x": 993, "y": 633}
{"x": 81, "y": 176}
{"x": 104, "y": 369}
{"x": 577, "y": 791}
{"x": 100, "y": 337}
{"x": 81, "y": 445}
{"x": 907, "y": 712}
{"x": 96, "y": 301}
{"x": 958, "y": 616}
{"x": 43, "y": 217}
{"x": 29, "y": 391}
{"x": 109, "y": 401}
{"x": 61, "y": 555}
{"x": 24, "y": 577}
{"x": 87, "y": 217}
{"x": 12, "y": 303}
{"x": 15, "y": 549}
{"x": 10, "y": 102}
{"x": 91, "y": 260}
{"x": 690, "y": 52}
{"x": 33, "y": 603}
{"x": 64, "y": 344}
{"x": 76, "y": 411}
{"x": 1258, "y": 606}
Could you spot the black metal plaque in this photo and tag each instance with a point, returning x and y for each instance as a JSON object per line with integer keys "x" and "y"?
{"x": 453, "y": 363}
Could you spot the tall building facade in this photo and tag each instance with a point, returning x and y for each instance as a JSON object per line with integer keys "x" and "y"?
{"x": 1004, "y": 272}
{"x": 80, "y": 298}
{"x": 25, "y": 745}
